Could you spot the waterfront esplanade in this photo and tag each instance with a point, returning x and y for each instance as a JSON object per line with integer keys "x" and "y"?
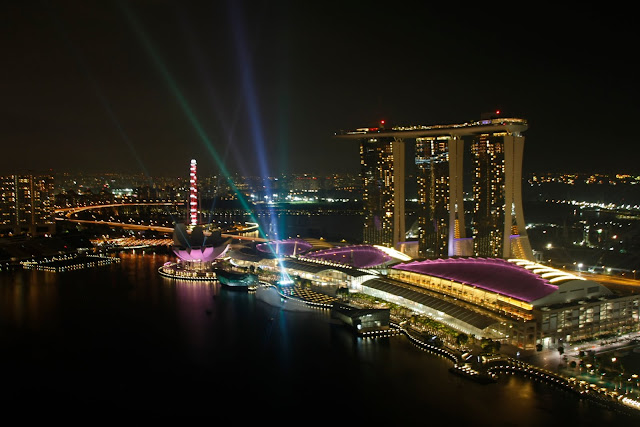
{"x": 495, "y": 147}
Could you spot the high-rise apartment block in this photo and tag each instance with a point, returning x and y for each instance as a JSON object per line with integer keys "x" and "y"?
{"x": 480, "y": 159}
{"x": 26, "y": 204}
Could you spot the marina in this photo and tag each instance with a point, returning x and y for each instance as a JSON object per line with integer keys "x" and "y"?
{"x": 70, "y": 262}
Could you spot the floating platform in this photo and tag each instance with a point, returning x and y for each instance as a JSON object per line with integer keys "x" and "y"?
{"x": 362, "y": 320}
{"x": 234, "y": 280}
{"x": 472, "y": 374}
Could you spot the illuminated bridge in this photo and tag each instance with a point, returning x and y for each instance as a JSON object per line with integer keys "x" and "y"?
{"x": 75, "y": 209}
{"x": 65, "y": 214}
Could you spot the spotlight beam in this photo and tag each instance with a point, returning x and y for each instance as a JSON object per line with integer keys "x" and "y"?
{"x": 257, "y": 132}
{"x": 184, "y": 105}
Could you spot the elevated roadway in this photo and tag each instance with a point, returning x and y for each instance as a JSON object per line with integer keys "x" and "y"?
{"x": 66, "y": 214}
{"x": 72, "y": 210}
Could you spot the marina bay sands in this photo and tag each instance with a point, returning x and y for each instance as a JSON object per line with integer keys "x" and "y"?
{"x": 493, "y": 148}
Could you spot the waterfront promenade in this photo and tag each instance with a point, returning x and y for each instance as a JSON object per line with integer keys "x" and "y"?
{"x": 549, "y": 365}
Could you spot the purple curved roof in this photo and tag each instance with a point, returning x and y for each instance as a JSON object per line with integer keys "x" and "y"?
{"x": 285, "y": 247}
{"x": 207, "y": 253}
{"x": 359, "y": 256}
{"x": 493, "y": 274}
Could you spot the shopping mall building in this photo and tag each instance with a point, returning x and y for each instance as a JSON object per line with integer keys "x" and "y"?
{"x": 518, "y": 302}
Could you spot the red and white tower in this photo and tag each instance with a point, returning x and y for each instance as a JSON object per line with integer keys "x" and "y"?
{"x": 193, "y": 194}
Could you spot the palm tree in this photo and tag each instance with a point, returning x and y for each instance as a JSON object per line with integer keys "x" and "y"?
{"x": 462, "y": 339}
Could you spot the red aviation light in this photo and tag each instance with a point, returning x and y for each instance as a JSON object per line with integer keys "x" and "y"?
{"x": 497, "y": 111}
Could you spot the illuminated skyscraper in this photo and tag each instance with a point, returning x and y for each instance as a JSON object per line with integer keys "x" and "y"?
{"x": 26, "y": 204}
{"x": 493, "y": 147}
{"x": 382, "y": 170}
{"x": 498, "y": 218}
{"x": 193, "y": 194}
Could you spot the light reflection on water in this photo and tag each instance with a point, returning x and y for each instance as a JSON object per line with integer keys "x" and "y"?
{"x": 125, "y": 338}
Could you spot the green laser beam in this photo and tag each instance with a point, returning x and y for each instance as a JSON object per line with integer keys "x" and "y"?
{"x": 186, "y": 108}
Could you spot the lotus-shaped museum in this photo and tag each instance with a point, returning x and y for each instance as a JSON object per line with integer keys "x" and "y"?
{"x": 200, "y": 254}
{"x": 193, "y": 244}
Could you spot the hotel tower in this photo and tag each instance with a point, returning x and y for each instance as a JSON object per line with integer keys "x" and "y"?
{"x": 481, "y": 158}
{"x": 382, "y": 168}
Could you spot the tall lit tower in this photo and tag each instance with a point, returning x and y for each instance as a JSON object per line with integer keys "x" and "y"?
{"x": 382, "y": 169}
{"x": 498, "y": 223}
{"x": 193, "y": 194}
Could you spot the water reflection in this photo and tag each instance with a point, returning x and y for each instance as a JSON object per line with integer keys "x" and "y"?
{"x": 122, "y": 337}
{"x": 28, "y": 299}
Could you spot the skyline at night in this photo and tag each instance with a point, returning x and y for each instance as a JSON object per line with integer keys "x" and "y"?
{"x": 404, "y": 212}
{"x": 261, "y": 87}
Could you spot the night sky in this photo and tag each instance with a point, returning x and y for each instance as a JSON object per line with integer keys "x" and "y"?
{"x": 260, "y": 87}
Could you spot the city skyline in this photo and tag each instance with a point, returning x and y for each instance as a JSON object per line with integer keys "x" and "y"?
{"x": 146, "y": 86}
{"x": 173, "y": 190}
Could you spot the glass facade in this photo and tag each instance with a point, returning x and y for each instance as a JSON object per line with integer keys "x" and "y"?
{"x": 590, "y": 319}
